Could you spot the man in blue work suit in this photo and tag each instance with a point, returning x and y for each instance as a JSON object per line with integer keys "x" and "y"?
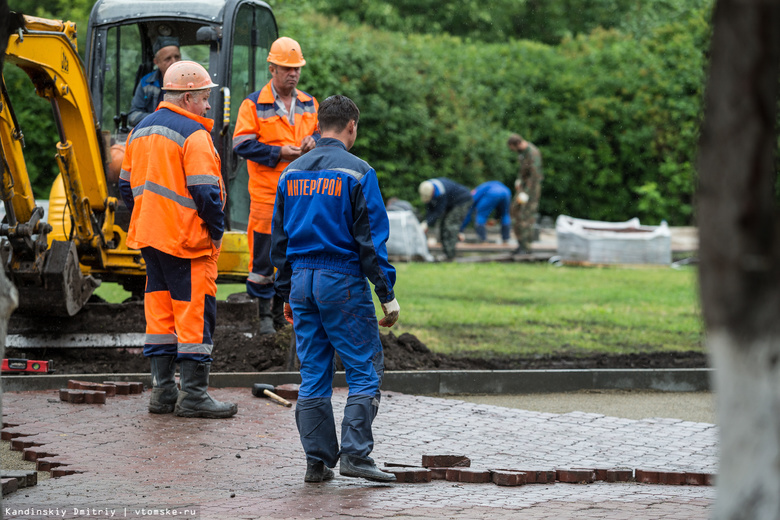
{"x": 488, "y": 197}
{"x": 328, "y": 235}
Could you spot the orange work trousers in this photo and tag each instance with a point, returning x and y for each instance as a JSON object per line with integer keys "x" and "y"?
{"x": 180, "y": 305}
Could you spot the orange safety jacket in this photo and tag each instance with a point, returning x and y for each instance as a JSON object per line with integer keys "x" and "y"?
{"x": 171, "y": 182}
{"x": 262, "y": 129}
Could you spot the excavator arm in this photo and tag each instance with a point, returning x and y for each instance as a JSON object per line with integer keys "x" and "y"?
{"x": 48, "y": 276}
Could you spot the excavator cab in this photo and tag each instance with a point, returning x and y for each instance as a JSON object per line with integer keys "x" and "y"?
{"x": 57, "y": 259}
{"x": 230, "y": 38}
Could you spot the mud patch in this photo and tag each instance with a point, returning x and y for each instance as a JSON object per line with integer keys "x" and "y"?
{"x": 237, "y": 351}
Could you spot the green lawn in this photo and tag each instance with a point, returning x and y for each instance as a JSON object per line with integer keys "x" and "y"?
{"x": 538, "y": 309}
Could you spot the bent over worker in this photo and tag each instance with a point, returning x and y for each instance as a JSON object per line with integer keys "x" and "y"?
{"x": 171, "y": 182}
{"x": 448, "y": 201}
{"x": 329, "y": 233}
{"x": 489, "y": 197}
{"x": 275, "y": 125}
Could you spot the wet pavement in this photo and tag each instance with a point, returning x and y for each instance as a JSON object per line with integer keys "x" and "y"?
{"x": 137, "y": 465}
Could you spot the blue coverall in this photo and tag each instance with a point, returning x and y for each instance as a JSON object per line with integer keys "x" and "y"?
{"x": 328, "y": 235}
{"x": 487, "y": 197}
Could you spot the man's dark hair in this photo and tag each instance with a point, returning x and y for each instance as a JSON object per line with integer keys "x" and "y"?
{"x": 335, "y": 112}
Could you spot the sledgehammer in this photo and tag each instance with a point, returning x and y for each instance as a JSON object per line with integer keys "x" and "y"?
{"x": 261, "y": 390}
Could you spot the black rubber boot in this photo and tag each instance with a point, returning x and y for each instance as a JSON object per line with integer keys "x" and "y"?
{"x": 318, "y": 472}
{"x": 277, "y": 313}
{"x": 194, "y": 399}
{"x": 266, "y": 318}
{"x": 351, "y": 466}
{"x": 164, "y": 390}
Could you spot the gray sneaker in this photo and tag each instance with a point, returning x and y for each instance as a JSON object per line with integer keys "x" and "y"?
{"x": 351, "y": 466}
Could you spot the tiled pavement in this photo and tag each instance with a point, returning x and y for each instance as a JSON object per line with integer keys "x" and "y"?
{"x": 251, "y": 466}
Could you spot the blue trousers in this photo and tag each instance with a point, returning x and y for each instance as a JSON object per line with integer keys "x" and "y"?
{"x": 334, "y": 312}
{"x": 491, "y": 201}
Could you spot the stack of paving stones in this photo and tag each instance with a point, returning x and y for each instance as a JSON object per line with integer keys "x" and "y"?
{"x": 457, "y": 468}
{"x": 96, "y": 393}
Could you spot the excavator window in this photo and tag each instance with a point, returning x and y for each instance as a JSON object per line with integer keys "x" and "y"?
{"x": 254, "y": 32}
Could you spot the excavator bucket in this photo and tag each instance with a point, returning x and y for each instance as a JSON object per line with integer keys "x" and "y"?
{"x": 65, "y": 289}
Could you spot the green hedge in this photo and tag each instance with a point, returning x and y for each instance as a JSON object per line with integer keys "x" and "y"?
{"x": 615, "y": 116}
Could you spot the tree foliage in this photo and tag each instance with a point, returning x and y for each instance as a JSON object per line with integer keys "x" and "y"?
{"x": 615, "y": 111}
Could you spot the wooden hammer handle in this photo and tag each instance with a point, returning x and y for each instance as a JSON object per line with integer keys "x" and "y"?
{"x": 280, "y": 400}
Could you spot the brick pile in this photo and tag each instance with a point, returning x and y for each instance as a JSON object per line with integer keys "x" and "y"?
{"x": 457, "y": 468}
{"x": 96, "y": 393}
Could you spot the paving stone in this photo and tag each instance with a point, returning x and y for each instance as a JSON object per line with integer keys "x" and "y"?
{"x": 9, "y": 485}
{"x": 288, "y": 391}
{"x": 438, "y": 473}
{"x": 20, "y": 444}
{"x": 540, "y": 476}
{"x": 672, "y": 478}
{"x": 575, "y": 476}
{"x": 473, "y": 476}
{"x": 445, "y": 461}
{"x": 25, "y": 478}
{"x": 10, "y": 432}
{"x": 410, "y": 475}
{"x": 47, "y": 463}
{"x": 620, "y": 475}
{"x": 34, "y": 453}
{"x": 82, "y": 396}
{"x": 647, "y": 476}
{"x": 63, "y": 471}
{"x": 121, "y": 454}
{"x": 507, "y": 477}
{"x": 122, "y": 388}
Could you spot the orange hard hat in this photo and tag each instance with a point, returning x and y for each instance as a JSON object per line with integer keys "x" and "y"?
{"x": 286, "y": 52}
{"x": 187, "y": 75}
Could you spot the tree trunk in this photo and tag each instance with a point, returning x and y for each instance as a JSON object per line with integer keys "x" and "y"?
{"x": 740, "y": 254}
{"x": 9, "y": 298}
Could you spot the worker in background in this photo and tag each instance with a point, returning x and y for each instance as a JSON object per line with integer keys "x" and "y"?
{"x": 149, "y": 92}
{"x": 171, "y": 183}
{"x": 488, "y": 197}
{"x": 449, "y": 202}
{"x": 528, "y": 190}
{"x": 275, "y": 126}
{"x": 330, "y": 228}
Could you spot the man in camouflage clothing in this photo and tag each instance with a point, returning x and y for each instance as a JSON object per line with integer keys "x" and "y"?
{"x": 528, "y": 189}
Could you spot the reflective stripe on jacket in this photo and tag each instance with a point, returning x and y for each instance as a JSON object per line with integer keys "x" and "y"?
{"x": 262, "y": 128}
{"x": 171, "y": 183}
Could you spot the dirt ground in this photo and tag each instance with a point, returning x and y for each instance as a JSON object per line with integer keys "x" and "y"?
{"x": 238, "y": 350}
{"x": 235, "y": 352}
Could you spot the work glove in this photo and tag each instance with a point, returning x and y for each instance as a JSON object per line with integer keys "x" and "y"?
{"x": 391, "y": 310}
{"x": 522, "y": 197}
{"x": 518, "y": 184}
{"x": 288, "y": 313}
{"x": 424, "y": 226}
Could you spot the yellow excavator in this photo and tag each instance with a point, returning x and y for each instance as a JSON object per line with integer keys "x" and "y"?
{"x": 57, "y": 258}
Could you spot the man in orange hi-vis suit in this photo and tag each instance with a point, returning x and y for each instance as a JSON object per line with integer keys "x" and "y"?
{"x": 171, "y": 182}
{"x": 276, "y": 125}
